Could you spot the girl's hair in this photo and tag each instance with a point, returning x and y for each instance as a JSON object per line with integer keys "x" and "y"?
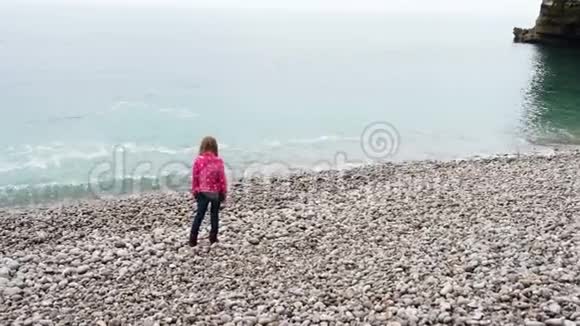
{"x": 208, "y": 144}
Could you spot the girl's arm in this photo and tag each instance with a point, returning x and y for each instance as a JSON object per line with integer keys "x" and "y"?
{"x": 195, "y": 178}
{"x": 223, "y": 180}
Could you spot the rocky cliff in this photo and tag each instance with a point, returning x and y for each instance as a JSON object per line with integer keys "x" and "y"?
{"x": 559, "y": 21}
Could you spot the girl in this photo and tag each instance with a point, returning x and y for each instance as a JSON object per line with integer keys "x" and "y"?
{"x": 208, "y": 186}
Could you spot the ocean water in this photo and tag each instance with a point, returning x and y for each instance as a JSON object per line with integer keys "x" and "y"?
{"x": 89, "y": 97}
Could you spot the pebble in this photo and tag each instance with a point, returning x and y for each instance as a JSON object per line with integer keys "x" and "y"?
{"x": 479, "y": 286}
{"x": 477, "y": 316}
{"x": 12, "y": 291}
{"x": 27, "y": 258}
{"x": 10, "y": 264}
{"x": 83, "y": 269}
{"x": 76, "y": 252}
{"x": 122, "y": 253}
{"x": 41, "y": 236}
{"x": 444, "y": 306}
{"x": 555, "y": 322}
{"x": 225, "y": 318}
{"x": 471, "y": 266}
{"x": 533, "y": 323}
{"x": 555, "y": 308}
{"x": 4, "y": 272}
{"x": 68, "y": 271}
{"x": 266, "y": 319}
{"x": 123, "y": 271}
{"x": 296, "y": 291}
{"x": 115, "y": 322}
{"x": 447, "y": 288}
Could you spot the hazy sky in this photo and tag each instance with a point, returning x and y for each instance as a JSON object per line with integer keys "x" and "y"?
{"x": 498, "y": 6}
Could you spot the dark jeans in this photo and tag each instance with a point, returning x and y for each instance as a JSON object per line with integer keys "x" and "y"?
{"x": 203, "y": 201}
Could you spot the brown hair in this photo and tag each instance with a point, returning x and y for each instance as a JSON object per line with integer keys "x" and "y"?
{"x": 208, "y": 144}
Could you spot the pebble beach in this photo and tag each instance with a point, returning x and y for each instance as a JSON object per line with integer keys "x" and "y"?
{"x": 492, "y": 241}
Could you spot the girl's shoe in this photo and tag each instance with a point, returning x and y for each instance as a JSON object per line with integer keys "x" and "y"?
{"x": 192, "y": 243}
{"x": 213, "y": 238}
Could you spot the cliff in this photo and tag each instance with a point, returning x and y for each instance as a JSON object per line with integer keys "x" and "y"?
{"x": 559, "y": 21}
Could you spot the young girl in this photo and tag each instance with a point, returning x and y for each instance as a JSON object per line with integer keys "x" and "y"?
{"x": 208, "y": 186}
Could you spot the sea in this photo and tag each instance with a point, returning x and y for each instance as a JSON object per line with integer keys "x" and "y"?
{"x": 106, "y": 101}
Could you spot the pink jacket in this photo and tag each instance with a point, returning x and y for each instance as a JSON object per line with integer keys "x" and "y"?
{"x": 208, "y": 174}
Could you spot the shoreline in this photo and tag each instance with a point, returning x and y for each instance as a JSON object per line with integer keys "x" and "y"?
{"x": 492, "y": 241}
{"x": 84, "y": 197}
